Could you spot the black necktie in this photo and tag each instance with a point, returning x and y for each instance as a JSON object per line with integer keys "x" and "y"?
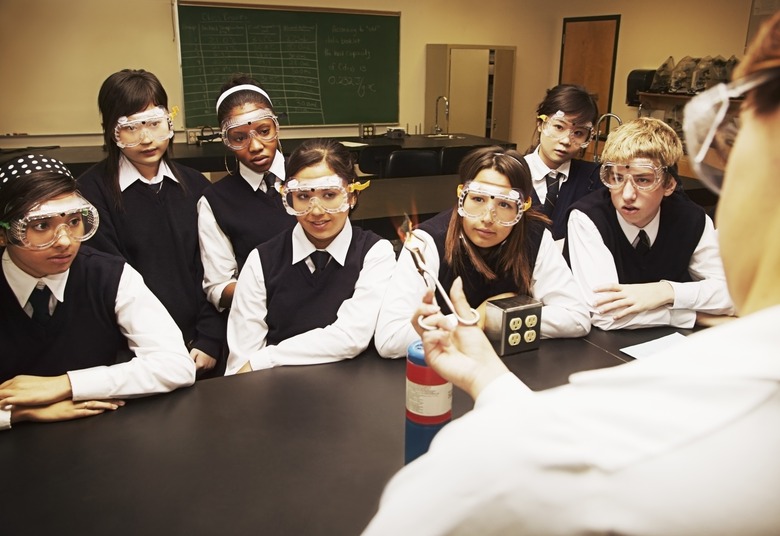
{"x": 269, "y": 179}
{"x": 39, "y": 299}
{"x": 553, "y": 185}
{"x": 320, "y": 260}
{"x": 155, "y": 187}
{"x": 642, "y": 243}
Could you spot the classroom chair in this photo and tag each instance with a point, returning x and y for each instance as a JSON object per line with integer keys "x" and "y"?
{"x": 451, "y": 157}
{"x": 413, "y": 163}
{"x": 372, "y": 159}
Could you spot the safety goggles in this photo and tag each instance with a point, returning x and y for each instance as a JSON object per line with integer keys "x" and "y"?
{"x": 48, "y": 222}
{"x": 558, "y": 127}
{"x": 478, "y": 199}
{"x": 644, "y": 177}
{"x": 709, "y": 133}
{"x": 155, "y": 124}
{"x": 238, "y": 131}
{"x": 328, "y": 193}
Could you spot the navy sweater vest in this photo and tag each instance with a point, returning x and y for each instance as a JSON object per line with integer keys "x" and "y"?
{"x": 246, "y": 216}
{"x": 475, "y": 286}
{"x": 680, "y": 229}
{"x": 157, "y": 234}
{"x": 583, "y": 179}
{"x": 299, "y": 301}
{"x": 81, "y": 333}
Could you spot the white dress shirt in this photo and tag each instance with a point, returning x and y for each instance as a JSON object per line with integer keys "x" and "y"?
{"x": 128, "y": 174}
{"x": 684, "y": 442}
{"x": 349, "y": 335}
{"x": 220, "y": 267}
{"x": 593, "y": 265}
{"x": 564, "y": 312}
{"x": 161, "y": 363}
{"x": 539, "y": 172}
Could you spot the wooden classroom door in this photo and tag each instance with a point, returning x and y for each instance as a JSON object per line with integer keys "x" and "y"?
{"x": 588, "y": 51}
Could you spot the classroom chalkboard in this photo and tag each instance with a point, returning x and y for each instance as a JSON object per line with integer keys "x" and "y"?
{"x": 319, "y": 67}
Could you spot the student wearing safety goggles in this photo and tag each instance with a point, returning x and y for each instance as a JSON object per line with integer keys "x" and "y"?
{"x": 684, "y": 442}
{"x": 67, "y": 313}
{"x": 643, "y": 253}
{"x": 243, "y": 209}
{"x": 565, "y": 122}
{"x": 311, "y": 294}
{"x": 497, "y": 243}
{"x": 147, "y": 205}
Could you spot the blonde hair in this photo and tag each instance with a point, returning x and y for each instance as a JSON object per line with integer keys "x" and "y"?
{"x": 644, "y": 137}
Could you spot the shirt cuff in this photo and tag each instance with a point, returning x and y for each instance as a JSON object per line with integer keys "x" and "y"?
{"x": 5, "y": 419}
{"x": 682, "y": 318}
{"x": 501, "y": 390}
{"x": 214, "y": 294}
{"x": 684, "y": 295}
{"x": 90, "y": 384}
{"x": 261, "y": 361}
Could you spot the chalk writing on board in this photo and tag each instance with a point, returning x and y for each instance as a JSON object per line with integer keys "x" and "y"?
{"x": 315, "y": 72}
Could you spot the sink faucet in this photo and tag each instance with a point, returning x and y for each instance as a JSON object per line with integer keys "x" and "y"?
{"x": 596, "y": 156}
{"x": 436, "y": 127}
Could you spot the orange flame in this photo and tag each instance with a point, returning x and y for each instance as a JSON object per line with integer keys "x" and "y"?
{"x": 405, "y": 227}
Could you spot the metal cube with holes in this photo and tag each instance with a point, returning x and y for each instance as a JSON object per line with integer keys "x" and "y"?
{"x": 512, "y": 324}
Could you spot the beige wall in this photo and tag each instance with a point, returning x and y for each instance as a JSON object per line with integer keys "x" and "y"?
{"x": 55, "y": 54}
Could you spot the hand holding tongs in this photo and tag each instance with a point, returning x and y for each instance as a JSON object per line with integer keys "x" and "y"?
{"x": 432, "y": 282}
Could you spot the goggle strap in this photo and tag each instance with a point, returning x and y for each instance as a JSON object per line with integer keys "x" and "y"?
{"x": 358, "y": 186}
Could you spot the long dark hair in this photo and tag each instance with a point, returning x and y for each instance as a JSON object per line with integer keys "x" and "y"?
{"x": 124, "y": 93}
{"x": 512, "y": 257}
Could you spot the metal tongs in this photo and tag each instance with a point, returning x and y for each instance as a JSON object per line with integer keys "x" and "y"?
{"x": 433, "y": 283}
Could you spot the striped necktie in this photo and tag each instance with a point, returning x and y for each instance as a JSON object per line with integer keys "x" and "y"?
{"x": 553, "y": 185}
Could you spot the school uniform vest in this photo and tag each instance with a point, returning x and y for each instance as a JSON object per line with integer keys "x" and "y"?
{"x": 475, "y": 286}
{"x": 248, "y": 217}
{"x": 81, "y": 333}
{"x": 299, "y": 301}
{"x": 680, "y": 229}
{"x": 157, "y": 234}
{"x": 583, "y": 178}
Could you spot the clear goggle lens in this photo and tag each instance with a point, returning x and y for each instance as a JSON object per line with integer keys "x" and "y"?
{"x": 505, "y": 206}
{"x": 709, "y": 134}
{"x": 557, "y": 128}
{"x": 155, "y": 125}
{"x": 643, "y": 177}
{"x": 47, "y": 223}
{"x": 328, "y": 193}
{"x": 238, "y": 131}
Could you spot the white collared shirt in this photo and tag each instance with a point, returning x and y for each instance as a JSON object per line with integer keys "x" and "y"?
{"x": 349, "y": 335}
{"x": 593, "y": 265}
{"x": 564, "y": 312}
{"x": 161, "y": 363}
{"x": 220, "y": 267}
{"x": 684, "y": 442}
{"x": 539, "y": 172}
{"x": 128, "y": 174}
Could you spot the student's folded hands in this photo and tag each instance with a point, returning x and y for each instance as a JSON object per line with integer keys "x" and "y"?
{"x": 28, "y": 390}
{"x": 63, "y": 410}
{"x": 623, "y": 300}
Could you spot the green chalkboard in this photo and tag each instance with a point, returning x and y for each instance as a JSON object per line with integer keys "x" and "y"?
{"x": 319, "y": 67}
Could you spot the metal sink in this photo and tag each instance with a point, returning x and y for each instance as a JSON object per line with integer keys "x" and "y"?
{"x": 446, "y": 136}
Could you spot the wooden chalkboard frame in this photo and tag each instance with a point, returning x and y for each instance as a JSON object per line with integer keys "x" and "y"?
{"x": 320, "y": 66}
